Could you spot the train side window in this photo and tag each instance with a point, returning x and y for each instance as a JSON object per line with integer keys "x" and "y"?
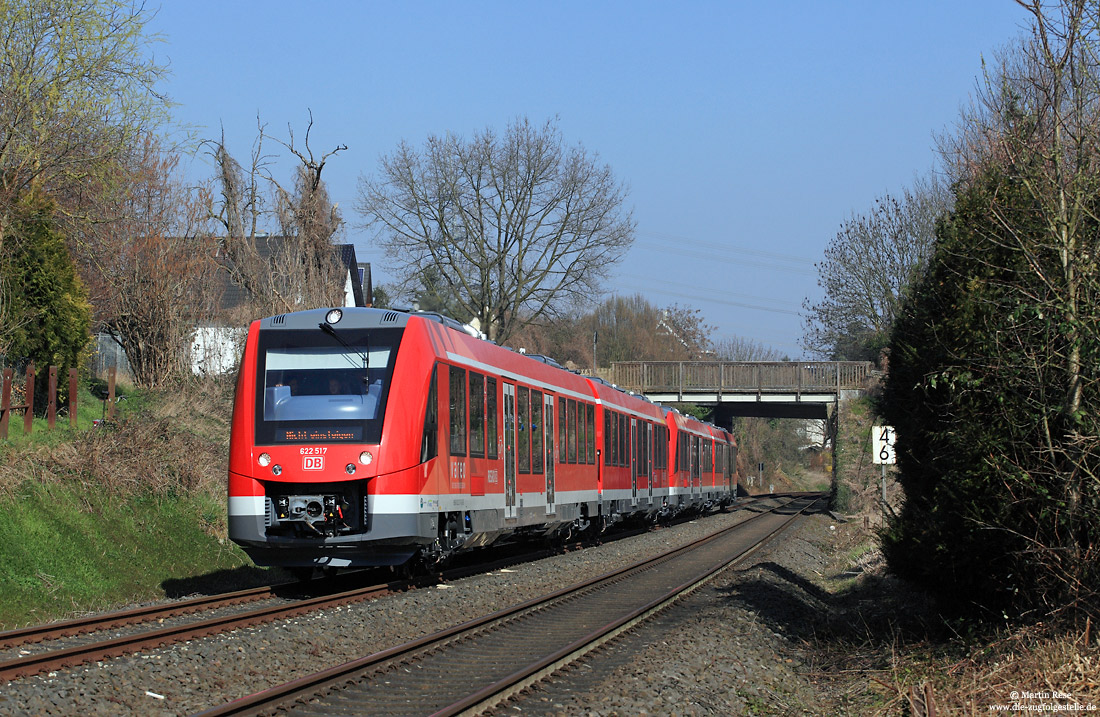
{"x": 429, "y": 445}
{"x": 607, "y": 438}
{"x": 536, "y": 431}
{"x": 563, "y": 430}
{"x": 523, "y": 428}
{"x": 491, "y": 415}
{"x": 477, "y": 414}
{"x": 572, "y": 431}
{"x": 624, "y": 440}
{"x": 612, "y": 434}
{"x": 586, "y": 451}
{"x": 586, "y": 415}
{"x": 696, "y": 456}
{"x": 458, "y": 411}
{"x": 636, "y": 447}
{"x": 582, "y": 437}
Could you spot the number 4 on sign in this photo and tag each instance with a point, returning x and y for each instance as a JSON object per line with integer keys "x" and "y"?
{"x": 882, "y": 450}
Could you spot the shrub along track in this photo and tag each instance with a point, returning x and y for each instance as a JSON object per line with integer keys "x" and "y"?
{"x": 479, "y": 663}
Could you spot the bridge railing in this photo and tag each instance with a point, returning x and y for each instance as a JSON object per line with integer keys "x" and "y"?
{"x": 685, "y": 377}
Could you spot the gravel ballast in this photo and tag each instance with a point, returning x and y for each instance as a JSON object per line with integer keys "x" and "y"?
{"x": 720, "y": 651}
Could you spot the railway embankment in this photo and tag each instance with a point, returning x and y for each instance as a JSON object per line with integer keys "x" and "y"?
{"x": 120, "y": 512}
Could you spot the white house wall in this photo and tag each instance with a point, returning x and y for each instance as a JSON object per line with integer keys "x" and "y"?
{"x": 216, "y": 349}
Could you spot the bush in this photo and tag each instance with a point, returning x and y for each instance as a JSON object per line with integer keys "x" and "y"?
{"x": 999, "y": 513}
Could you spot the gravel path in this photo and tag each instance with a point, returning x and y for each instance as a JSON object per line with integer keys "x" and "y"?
{"x": 721, "y": 651}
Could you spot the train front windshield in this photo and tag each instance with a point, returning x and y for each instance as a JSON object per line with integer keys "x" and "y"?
{"x": 313, "y": 387}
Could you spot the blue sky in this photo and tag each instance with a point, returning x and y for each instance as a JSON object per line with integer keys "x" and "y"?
{"x": 746, "y": 132}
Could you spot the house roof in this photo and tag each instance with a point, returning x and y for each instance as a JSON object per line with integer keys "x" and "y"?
{"x": 234, "y": 295}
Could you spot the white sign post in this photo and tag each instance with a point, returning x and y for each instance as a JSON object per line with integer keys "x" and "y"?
{"x": 882, "y": 452}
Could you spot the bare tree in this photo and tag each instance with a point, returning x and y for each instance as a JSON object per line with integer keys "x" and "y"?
{"x": 867, "y": 268}
{"x": 738, "y": 348}
{"x": 621, "y": 328}
{"x": 298, "y": 269}
{"x": 1039, "y": 114}
{"x": 518, "y": 225}
{"x": 78, "y": 88}
{"x": 150, "y": 272}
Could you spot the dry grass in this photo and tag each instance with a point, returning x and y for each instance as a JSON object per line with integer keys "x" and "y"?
{"x": 177, "y": 441}
{"x": 1045, "y": 659}
{"x": 886, "y": 651}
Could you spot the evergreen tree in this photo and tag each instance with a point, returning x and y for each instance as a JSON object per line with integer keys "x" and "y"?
{"x": 49, "y": 305}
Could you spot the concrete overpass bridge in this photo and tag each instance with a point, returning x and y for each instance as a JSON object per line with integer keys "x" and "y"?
{"x": 769, "y": 389}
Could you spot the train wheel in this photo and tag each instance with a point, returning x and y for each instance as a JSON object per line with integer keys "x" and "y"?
{"x": 302, "y": 575}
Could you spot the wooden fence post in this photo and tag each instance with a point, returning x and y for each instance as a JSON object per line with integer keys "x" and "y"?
{"x": 51, "y": 411}
{"x": 111, "y": 374}
{"x": 28, "y": 413}
{"x": 72, "y": 398}
{"x": 5, "y": 403}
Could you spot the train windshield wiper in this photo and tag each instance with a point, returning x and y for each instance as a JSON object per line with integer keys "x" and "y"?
{"x": 363, "y": 355}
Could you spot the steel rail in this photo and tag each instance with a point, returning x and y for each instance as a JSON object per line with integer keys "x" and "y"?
{"x": 121, "y": 645}
{"x": 501, "y": 690}
{"x": 310, "y": 685}
{"x": 135, "y": 616}
{"x": 56, "y": 659}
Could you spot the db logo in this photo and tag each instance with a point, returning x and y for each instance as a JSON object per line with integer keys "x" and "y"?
{"x": 313, "y": 463}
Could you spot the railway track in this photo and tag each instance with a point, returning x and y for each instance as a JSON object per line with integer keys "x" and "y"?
{"x": 480, "y": 663}
{"x": 78, "y": 641}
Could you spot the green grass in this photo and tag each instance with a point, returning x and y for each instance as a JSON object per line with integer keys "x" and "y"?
{"x": 65, "y": 549}
{"x": 89, "y": 410}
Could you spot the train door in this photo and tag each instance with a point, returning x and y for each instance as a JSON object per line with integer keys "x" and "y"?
{"x": 649, "y": 459}
{"x": 548, "y": 441}
{"x": 509, "y": 450}
{"x": 696, "y": 467}
{"x": 635, "y": 445}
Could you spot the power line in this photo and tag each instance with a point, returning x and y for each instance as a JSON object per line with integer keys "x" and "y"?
{"x": 659, "y": 289}
{"x": 749, "y": 297}
{"x": 724, "y": 251}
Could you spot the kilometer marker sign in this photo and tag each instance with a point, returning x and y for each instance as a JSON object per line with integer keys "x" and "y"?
{"x": 882, "y": 448}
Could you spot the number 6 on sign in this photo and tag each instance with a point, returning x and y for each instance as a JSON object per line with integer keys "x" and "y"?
{"x": 883, "y": 444}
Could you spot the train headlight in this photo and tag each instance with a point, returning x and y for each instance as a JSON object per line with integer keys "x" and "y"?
{"x": 277, "y": 469}
{"x": 350, "y": 468}
{"x": 366, "y": 458}
{"x": 264, "y": 460}
{"x": 334, "y": 316}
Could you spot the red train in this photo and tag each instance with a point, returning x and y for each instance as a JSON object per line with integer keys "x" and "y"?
{"x": 366, "y": 437}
